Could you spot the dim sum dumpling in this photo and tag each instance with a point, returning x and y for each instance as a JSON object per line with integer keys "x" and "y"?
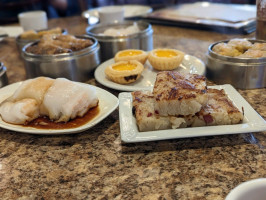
{"x": 19, "y": 112}
{"x": 66, "y": 100}
{"x": 32, "y": 88}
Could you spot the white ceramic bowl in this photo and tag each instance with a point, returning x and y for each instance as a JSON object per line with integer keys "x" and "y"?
{"x": 250, "y": 190}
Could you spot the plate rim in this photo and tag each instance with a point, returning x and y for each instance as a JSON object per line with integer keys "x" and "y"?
{"x": 35, "y": 131}
{"x": 148, "y": 8}
{"x": 254, "y": 122}
{"x": 130, "y": 88}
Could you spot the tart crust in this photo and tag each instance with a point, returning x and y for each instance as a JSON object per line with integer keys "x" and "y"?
{"x": 165, "y": 59}
{"x": 131, "y": 54}
{"x": 124, "y": 72}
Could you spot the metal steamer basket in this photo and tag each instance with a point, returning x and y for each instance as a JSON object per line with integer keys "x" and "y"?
{"x": 110, "y": 45}
{"x": 75, "y": 66}
{"x": 242, "y": 73}
{"x": 22, "y": 42}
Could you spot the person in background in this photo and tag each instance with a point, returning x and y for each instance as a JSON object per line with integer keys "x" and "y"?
{"x": 63, "y": 8}
{"x": 9, "y": 9}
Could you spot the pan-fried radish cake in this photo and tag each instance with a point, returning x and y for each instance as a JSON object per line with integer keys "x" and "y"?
{"x": 179, "y": 94}
{"x": 215, "y": 108}
{"x": 147, "y": 117}
{"x": 219, "y": 110}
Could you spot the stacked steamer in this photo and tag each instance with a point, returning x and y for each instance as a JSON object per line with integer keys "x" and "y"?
{"x": 239, "y": 62}
{"x": 68, "y": 56}
{"x": 182, "y": 100}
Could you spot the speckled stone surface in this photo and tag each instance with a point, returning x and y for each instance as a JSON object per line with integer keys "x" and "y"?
{"x": 95, "y": 164}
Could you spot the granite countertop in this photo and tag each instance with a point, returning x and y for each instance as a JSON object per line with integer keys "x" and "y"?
{"x": 95, "y": 164}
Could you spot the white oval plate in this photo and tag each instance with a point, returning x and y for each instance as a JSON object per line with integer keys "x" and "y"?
{"x": 190, "y": 64}
{"x": 130, "y": 11}
{"x": 107, "y": 104}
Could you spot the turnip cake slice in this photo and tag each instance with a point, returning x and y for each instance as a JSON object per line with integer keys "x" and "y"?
{"x": 179, "y": 94}
{"x": 143, "y": 108}
{"x": 219, "y": 110}
{"x": 147, "y": 118}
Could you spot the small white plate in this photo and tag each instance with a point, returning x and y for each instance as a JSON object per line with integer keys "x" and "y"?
{"x": 190, "y": 64}
{"x": 107, "y": 104}
{"x": 252, "y": 122}
{"x": 10, "y": 31}
{"x": 251, "y": 190}
{"x": 130, "y": 11}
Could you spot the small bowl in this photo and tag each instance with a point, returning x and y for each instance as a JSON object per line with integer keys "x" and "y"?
{"x": 22, "y": 42}
{"x": 251, "y": 190}
{"x": 75, "y": 66}
{"x": 242, "y": 73}
{"x": 110, "y": 45}
{"x": 3, "y": 76}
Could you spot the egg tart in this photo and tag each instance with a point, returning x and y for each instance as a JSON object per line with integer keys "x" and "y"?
{"x": 124, "y": 72}
{"x": 131, "y": 54}
{"x": 165, "y": 59}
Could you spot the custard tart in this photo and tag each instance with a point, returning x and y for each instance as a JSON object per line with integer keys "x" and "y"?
{"x": 165, "y": 59}
{"x": 124, "y": 72}
{"x": 131, "y": 54}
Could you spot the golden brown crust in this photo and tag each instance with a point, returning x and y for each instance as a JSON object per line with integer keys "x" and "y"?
{"x": 165, "y": 62}
{"x": 124, "y": 76}
{"x": 57, "y": 44}
{"x": 33, "y": 35}
{"x": 240, "y": 48}
{"x": 171, "y": 85}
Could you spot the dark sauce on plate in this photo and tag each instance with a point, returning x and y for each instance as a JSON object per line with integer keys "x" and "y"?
{"x": 46, "y": 123}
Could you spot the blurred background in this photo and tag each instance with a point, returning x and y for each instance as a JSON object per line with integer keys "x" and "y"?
{"x": 9, "y": 9}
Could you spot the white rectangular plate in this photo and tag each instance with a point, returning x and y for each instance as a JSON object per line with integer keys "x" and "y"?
{"x": 252, "y": 122}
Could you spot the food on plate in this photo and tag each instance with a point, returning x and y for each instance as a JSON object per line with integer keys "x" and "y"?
{"x": 165, "y": 59}
{"x": 179, "y": 94}
{"x": 122, "y": 31}
{"x": 57, "y": 44}
{"x": 66, "y": 100}
{"x": 241, "y": 48}
{"x": 124, "y": 72}
{"x": 33, "y": 35}
{"x": 131, "y": 54}
{"x": 218, "y": 110}
{"x": 59, "y": 99}
{"x": 148, "y": 119}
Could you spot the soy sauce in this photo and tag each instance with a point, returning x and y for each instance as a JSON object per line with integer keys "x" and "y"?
{"x": 46, "y": 123}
